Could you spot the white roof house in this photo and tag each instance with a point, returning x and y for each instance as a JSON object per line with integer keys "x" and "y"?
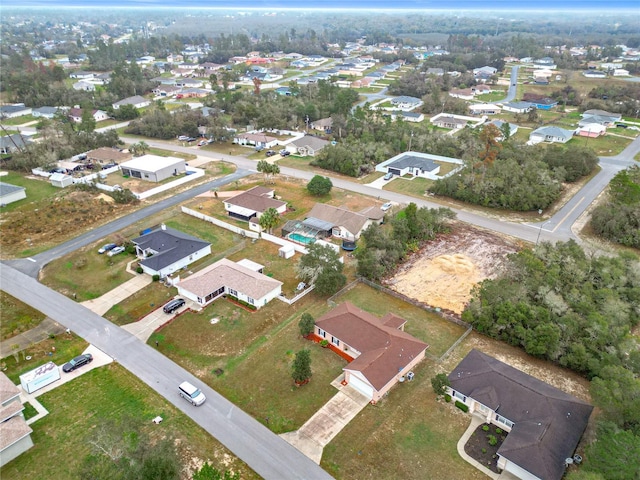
{"x": 240, "y": 280}
{"x": 153, "y": 167}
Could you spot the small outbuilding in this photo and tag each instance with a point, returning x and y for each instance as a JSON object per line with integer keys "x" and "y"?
{"x": 11, "y": 193}
{"x": 287, "y": 251}
{"x": 153, "y": 168}
{"x": 61, "y": 180}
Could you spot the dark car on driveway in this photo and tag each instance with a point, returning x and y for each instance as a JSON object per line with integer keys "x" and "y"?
{"x": 173, "y": 305}
{"x": 77, "y": 362}
{"x": 270, "y": 153}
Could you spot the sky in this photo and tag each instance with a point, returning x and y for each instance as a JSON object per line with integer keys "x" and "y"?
{"x": 485, "y": 5}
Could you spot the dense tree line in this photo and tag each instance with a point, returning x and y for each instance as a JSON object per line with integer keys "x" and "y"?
{"x": 158, "y": 122}
{"x": 562, "y": 305}
{"x": 618, "y": 218}
{"x": 521, "y": 178}
{"x": 384, "y": 248}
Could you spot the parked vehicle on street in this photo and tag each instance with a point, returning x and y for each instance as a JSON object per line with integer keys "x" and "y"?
{"x": 107, "y": 247}
{"x": 173, "y": 305}
{"x": 183, "y": 138}
{"x": 115, "y": 251}
{"x": 191, "y": 393}
{"x": 77, "y": 362}
{"x": 202, "y": 143}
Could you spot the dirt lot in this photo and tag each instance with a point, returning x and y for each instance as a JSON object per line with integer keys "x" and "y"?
{"x": 443, "y": 273}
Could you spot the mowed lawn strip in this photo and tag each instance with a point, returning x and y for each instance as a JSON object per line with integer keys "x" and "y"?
{"x": 140, "y": 304}
{"x": 17, "y": 317}
{"x": 429, "y": 327}
{"x": 78, "y": 407}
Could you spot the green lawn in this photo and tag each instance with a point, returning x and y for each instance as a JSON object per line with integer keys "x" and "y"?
{"x": 18, "y": 120}
{"x": 491, "y": 96}
{"x": 606, "y": 145}
{"x": 77, "y": 407}
{"x": 139, "y": 304}
{"x": 17, "y": 317}
{"x": 416, "y": 187}
{"x": 36, "y": 190}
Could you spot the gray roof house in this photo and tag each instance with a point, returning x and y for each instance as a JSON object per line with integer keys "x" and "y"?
{"x": 164, "y": 251}
{"x": 45, "y": 112}
{"x": 137, "y": 101}
{"x": 411, "y": 164}
{"x": 13, "y": 142}
{"x": 550, "y": 134}
{"x": 544, "y": 423}
{"x": 307, "y": 146}
{"x": 517, "y": 107}
{"x": 346, "y": 224}
{"x": 11, "y": 193}
{"x": 15, "y": 434}
{"x": 12, "y": 111}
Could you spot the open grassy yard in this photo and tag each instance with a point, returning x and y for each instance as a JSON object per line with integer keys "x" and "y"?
{"x": 37, "y": 190}
{"x": 416, "y": 187}
{"x": 110, "y": 392}
{"x": 19, "y": 120}
{"x": 17, "y": 317}
{"x": 429, "y": 327}
{"x": 86, "y": 273}
{"x": 606, "y": 145}
{"x": 139, "y": 304}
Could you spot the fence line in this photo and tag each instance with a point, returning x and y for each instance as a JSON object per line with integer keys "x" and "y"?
{"x": 220, "y": 223}
{"x": 197, "y": 173}
{"x": 282, "y": 242}
{"x": 293, "y": 300}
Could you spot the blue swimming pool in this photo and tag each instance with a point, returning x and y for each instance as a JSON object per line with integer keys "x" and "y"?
{"x": 299, "y": 238}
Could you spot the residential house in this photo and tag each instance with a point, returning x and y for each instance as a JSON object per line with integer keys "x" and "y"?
{"x": 243, "y": 280}
{"x": 600, "y": 116}
{"x": 284, "y": 91}
{"x": 545, "y": 62}
{"x": 84, "y": 86}
{"x": 11, "y": 193}
{"x": 75, "y": 115}
{"x": 13, "y": 143}
{"x": 540, "y": 101}
{"x": 415, "y": 117}
{"x": 193, "y": 93}
{"x": 322, "y": 124}
{"x": 590, "y": 130}
{"x": 444, "y": 121}
{"x": 481, "y": 89}
{"x": 136, "y": 101}
{"x": 485, "y": 71}
{"x": 379, "y": 351}
{"x": 82, "y": 75}
{"x": 13, "y": 111}
{"x": 517, "y": 107}
{"x": 164, "y": 251}
{"x": 210, "y": 68}
{"x": 463, "y": 93}
{"x": 166, "y": 90}
{"x": 438, "y": 72}
{"x": 484, "y": 109}
{"x": 107, "y": 155}
{"x": 153, "y": 168}
{"x": 413, "y": 163}
{"x": 346, "y": 224}
{"x": 189, "y": 82}
{"x": 253, "y": 203}
{"x": 256, "y": 139}
{"x": 15, "y": 434}
{"x": 550, "y": 134}
{"x": 620, "y": 72}
{"x": 500, "y": 125}
{"x": 307, "y": 146}
{"x": 45, "y": 112}
{"x": 544, "y": 424}
{"x": 406, "y": 103}
{"x": 594, "y": 74}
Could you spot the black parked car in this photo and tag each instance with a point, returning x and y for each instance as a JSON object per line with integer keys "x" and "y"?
{"x": 77, "y": 362}
{"x": 270, "y": 153}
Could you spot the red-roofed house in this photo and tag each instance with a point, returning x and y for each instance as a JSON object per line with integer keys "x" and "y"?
{"x": 380, "y": 352}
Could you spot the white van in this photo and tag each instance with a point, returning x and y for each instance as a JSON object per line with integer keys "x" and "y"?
{"x": 191, "y": 393}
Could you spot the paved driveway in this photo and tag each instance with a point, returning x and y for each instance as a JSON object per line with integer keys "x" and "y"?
{"x": 327, "y": 422}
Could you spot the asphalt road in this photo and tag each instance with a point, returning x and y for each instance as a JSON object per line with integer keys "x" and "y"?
{"x": 266, "y": 453}
{"x": 513, "y": 88}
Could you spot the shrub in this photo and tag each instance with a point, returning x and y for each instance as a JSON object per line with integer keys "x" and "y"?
{"x": 492, "y": 440}
{"x": 462, "y": 406}
{"x": 439, "y": 383}
{"x": 484, "y": 450}
{"x": 156, "y": 277}
{"x": 485, "y": 428}
{"x": 498, "y": 431}
{"x": 139, "y": 269}
{"x": 324, "y": 343}
{"x": 447, "y": 397}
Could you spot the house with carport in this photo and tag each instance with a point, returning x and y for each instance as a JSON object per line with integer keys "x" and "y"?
{"x": 253, "y": 203}
{"x": 15, "y": 434}
{"x": 380, "y": 353}
{"x": 11, "y": 193}
{"x": 243, "y": 280}
{"x": 153, "y": 168}
{"x": 544, "y": 424}
{"x": 164, "y": 250}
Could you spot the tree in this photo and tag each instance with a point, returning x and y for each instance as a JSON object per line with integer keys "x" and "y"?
{"x": 269, "y": 219}
{"x": 208, "y": 472}
{"x": 330, "y": 283}
{"x": 139, "y": 148}
{"x": 615, "y": 454}
{"x": 301, "y": 369}
{"x": 319, "y": 260}
{"x": 439, "y": 383}
{"x": 319, "y": 186}
{"x": 532, "y": 115}
{"x": 306, "y": 324}
{"x": 617, "y": 391}
{"x": 268, "y": 170}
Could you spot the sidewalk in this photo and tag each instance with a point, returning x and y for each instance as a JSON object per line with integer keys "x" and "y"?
{"x": 35, "y": 335}
{"x": 101, "y": 305}
{"x": 476, "y": 421}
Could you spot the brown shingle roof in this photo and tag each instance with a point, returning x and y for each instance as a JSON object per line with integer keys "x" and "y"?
{"x": 225, "y": 273}
{"x": 256, "y": 199}
{"x": 8, "y": 389}
{"x": 340, "y": 217}
{"x": 548, "y": 422}
{"x": 385, "y": 350}
{"x": 106, "y": 154}
{"x": 13, "y": 430}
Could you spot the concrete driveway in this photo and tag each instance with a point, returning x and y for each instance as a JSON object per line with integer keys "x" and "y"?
{"x": 327, "y": 422}
{"x": 144, "y": 327}
{"x": 380, "y": 182}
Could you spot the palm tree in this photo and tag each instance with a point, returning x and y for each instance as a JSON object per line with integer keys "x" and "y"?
{"x": 269, "y": 219}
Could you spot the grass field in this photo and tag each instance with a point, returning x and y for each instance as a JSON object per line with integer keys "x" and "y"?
{"x": 78, "y": 407}
{"x": 36, "y": 190}
{"x": 17, "y": 317}
{"x": 19, "y": 120}
{"x": 140, "y": 304}
{"x": 416, "y": 187}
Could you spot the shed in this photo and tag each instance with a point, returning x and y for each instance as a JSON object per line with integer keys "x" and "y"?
{"x": 61, "y": 180}
{"x": 11, "y": 193}
{"x": 287, "y": 251}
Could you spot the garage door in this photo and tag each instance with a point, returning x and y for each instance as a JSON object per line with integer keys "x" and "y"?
{"x": 360, "y": 385}
{"x": 395, "y": 171}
